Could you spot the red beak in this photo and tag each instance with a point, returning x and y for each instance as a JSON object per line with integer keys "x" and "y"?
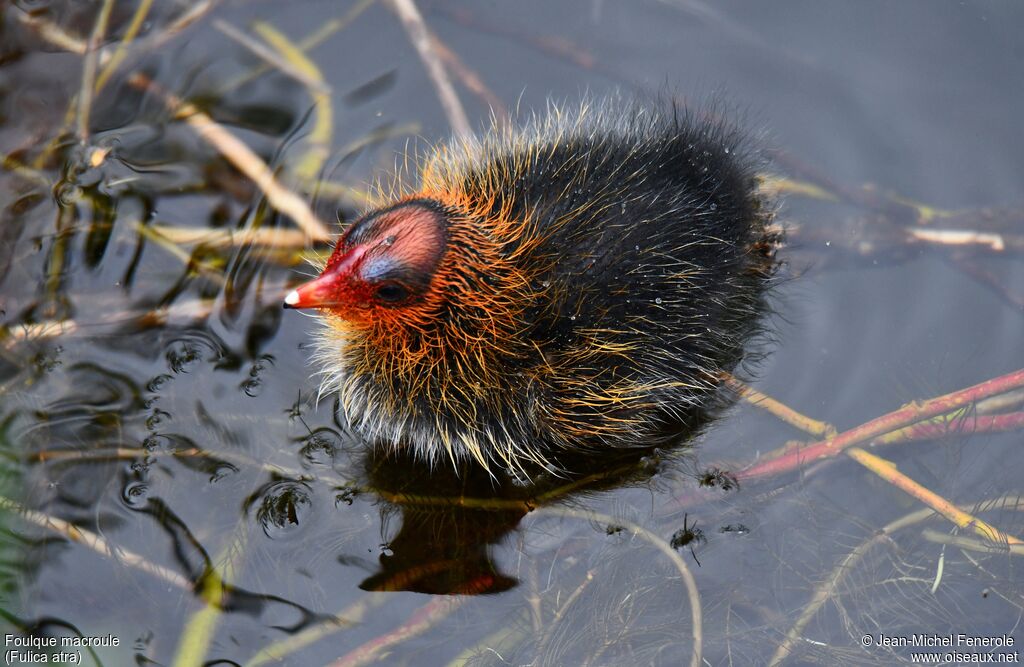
{"x": 322, "y": 292}
{"x": 318, "y": 293}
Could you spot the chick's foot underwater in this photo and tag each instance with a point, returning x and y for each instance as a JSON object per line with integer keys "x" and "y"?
{"x": 575, "y": 284}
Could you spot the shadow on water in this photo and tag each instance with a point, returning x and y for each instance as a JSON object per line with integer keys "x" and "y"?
{"x": 171, "y": 480}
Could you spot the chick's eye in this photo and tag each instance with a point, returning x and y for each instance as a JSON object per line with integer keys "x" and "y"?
{"x": 391, "y": 293}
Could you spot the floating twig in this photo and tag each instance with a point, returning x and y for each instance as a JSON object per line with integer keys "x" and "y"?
{"x": 54, "y": 34}
{"x": 465, "y": 502}
{"x": 323, "y": 114}
{"x": 340, "y": 191}
{"x": 545, "y": 639}
{"x": 270, "y": 56}
{"x": 25, "y": 172}
{"x": 350, "y": 616}
{"x": 779, "y": 409}
{"x": 524, "y": 505}
{"x": 89, "y": 69}
{"x": 774, "y": 186}
{"x": 888, "y": 471}
{"x": 192, "y": 14}
{"x": 414, "y": 26}
{"x": 470, "y": 78}
{"x": 13, "y": 334}
{"x": 207, "y": 270}
{"x": 422, "y": 620}
{"x": 198, "y": 632}
{"x": 93, "y": 541}
{"x": 190, "y": 311}
{"x": 945, "y": 425}
{"x": 96, "y": 455}
{"x": 1006, "y": 401}
{"x": 937, "y": 427}
{"x": 827, "y": 589}
{"x": 138, "y": 19}
{"x": 220, "y": 238}
{"x": 865, "y": 197}
{"x": 308, "y": 43}
{"x": 959, "y": 237}
{"x": 692, "y": 592}
{"x": 971, "y": 544}
{"x": 194, "y": 11}
{"x": 244, "y": 159}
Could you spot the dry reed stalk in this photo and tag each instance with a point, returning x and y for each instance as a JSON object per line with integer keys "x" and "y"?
{"x": 28, "y": 173}
{"x": 308, "y": 43}
{"x": 96, "y": 543}
{"x": 243, "y": 158}
{"x": 887, "y": 470}
{"x": 271, "y": 57}
{"x": 54, "y": 34}
{"x": 470, "y": 79}
{"x": 545, "y": 639}
{"x": 220, "y": 238}
{"x": 416, "y": 29}
{"x": 959, "y": 237}
{"x": 89, "y": 69}
{"x": 348, "y": 617}
{"x": 773, "y": 185}
{"x": 421, "y": 620}
{"x": 213, "y": 589}
{"x": 118, "y": 56}
{"x": 779, "y": 409}
{"x": 321, "y": 134}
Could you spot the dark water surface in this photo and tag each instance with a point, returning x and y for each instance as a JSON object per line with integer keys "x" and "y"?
{"x": 156, "y": 396}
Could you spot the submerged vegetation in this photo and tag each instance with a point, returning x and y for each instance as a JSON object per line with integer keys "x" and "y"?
{"x": 169, "y": 478}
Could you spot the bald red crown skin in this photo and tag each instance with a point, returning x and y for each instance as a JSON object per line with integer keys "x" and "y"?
{"x": 577, "y": 284}
{"x": 386, "y": 258}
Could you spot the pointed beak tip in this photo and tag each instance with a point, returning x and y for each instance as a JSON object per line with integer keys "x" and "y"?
{"x": 292, "y": 299}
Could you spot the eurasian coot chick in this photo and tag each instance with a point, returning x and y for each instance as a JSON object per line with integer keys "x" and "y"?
{"x": 575, "y": 284}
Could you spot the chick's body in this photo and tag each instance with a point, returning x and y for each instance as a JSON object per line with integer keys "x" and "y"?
{"x": 582, "y": 282}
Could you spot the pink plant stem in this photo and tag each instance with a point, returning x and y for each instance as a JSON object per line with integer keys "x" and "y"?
{"x": 421, "y": 620}
{"x": 1010, "y": 421}
{"x": 908, "y": 414}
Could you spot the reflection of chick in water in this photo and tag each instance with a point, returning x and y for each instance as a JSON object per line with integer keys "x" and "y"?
{"x": 443, "y": 546}
{"x": 450, "y": 518}
{"x": 576, "y": 285}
